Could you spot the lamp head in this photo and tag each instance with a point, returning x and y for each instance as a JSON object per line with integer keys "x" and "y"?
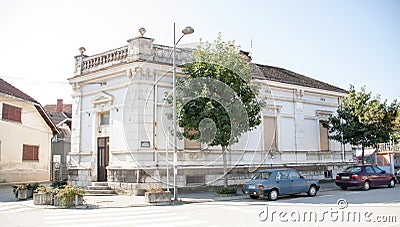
{"x": 188, "y": 30}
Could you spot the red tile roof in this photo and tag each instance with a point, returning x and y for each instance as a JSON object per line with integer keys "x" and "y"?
{"x": 52, "y": 108}
{"x": 285, "y": 76}
{"x": 8, "y": 89}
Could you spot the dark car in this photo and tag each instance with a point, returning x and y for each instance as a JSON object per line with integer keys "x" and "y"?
{"x": 274, "y": 182}
{"x": 366, "y": 176}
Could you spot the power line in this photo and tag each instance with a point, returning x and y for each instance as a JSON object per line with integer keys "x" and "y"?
{"x": 34, "y": 82}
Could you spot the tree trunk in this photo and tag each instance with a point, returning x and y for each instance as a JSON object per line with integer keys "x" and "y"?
{"x": 362, "y": 154}
{"x": 224, "y": 163}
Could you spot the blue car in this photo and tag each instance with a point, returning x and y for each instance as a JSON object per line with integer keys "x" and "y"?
{"x": 272, "y": 183}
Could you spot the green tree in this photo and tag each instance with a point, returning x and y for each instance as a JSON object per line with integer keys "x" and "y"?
{"x": 363, "y": 120}
{"x": 396, "y": 130}
{"x": 216, "y": 102}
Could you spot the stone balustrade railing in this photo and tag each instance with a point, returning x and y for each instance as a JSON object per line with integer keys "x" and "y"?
{"x": 163, "y": 54}
{"x": 105, "y": 59}
{"x": 159, "y": 54}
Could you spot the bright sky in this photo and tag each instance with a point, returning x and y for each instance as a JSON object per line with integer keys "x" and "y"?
{"x": 338, "y": 42}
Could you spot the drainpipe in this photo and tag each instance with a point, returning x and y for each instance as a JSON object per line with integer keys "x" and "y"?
{"x": 51, "y": 158}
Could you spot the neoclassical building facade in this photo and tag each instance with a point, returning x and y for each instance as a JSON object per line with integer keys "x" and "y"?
{"x": 121, "y": 133}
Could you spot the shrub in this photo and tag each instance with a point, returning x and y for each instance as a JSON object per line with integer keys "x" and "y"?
{"x": 32, "y": 187}
{"x": 43, "y": 189}
{"x": 18, "y": 187}
{"x": 226, "y": 190}
{"x": 59, "y": 183}
{"x": 67, "y": 195}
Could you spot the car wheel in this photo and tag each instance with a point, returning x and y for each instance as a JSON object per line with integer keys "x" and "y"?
{"x": 273, "y": 195}
{"x": 312, "y": 191}
{"x": 366, "y": 186}
{"x": 392, "y": 183}
{"x": 254, "y": 196}
{"x": 343, "y": 187}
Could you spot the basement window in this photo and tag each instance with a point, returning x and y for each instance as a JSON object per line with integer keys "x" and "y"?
{"x": 195, "y": 180}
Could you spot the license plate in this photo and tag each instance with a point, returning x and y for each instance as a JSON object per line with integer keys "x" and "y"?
{"x": 345, "y": 177}
{"x": 252, "y": 187}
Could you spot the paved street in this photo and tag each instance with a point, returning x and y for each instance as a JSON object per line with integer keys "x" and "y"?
{"x": 381, "y": 195}
{"x": 205, "y": 209}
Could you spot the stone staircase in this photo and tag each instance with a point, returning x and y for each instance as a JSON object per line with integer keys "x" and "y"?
{"x": 99, "y": 188}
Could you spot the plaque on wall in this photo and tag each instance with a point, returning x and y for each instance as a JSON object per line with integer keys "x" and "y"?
{"x": 145, "y": 144}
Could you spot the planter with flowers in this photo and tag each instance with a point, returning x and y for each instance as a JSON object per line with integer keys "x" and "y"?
{"x": 43, "y": 196}
{"x": 20, "y": 191}
{"x": 69, "y": 196}
{"x": 155, "y": 194}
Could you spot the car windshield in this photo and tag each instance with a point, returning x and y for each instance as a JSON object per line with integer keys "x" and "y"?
{"x": 353, "y": 169}
{"x": 262, "y": 175}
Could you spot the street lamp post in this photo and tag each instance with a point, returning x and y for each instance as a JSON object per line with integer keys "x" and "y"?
{"x": 186, "y": 31}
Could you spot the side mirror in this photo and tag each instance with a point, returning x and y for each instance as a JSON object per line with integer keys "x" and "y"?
{"x": 383, "y": 171}
{"x": 301, "y": 176}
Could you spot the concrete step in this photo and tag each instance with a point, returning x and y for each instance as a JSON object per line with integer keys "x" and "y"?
{"x": 97, "y": 192}
{"x": 99, "y": 184}
{"x": 99, "y": 187}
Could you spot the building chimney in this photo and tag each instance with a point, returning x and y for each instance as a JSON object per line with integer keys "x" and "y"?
{"x": 60, "y": 106}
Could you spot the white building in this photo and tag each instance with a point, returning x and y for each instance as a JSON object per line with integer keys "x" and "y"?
{"x": 120, "y": 131}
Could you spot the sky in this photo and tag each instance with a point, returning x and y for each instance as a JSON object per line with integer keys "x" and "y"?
{"x": 339, "y": 42}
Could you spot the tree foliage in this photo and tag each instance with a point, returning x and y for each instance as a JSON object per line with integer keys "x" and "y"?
{"x": 216, "y": 103}
{"x": 363, "y": 120}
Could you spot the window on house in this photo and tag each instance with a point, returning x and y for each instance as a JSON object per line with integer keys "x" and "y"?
{"x": 11, "y": 113}
{"x": 30, "y": 153}
{"x": 323, "y": 137}
{"x": 105, "y": 118}
{"x": 195, "y": 179}
{"x": 270, "y": 133}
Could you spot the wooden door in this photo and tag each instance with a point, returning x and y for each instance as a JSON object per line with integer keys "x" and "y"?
{"x": 102, "y": 158}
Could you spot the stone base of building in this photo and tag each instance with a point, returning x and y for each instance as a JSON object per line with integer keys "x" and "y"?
{"x": 81, "y": 177}
{"x": 135, "y": 181}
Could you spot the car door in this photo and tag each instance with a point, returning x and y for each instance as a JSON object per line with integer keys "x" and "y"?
{"x": 372, "y": 176}
{"x": 283, "y": 182}
{"x": 382, "y": 177}
{"x": 298, "y": 183}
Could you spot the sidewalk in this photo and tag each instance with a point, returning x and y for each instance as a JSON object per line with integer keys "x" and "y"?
{"x": 121, "y": 201}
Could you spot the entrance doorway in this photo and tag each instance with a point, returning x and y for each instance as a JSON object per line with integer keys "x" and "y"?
{"x": 102, "y": 158}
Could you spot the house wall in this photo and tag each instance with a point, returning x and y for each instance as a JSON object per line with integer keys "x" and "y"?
{"x": 32, "y": 131}
{"x": 133, "y": 93}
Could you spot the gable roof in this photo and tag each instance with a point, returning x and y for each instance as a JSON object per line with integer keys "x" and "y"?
{"x": 59, "y": 118}
{"x": 285, "y": 76}
{"x": 8, "y": 89}
{"x": 52, "y": 108}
